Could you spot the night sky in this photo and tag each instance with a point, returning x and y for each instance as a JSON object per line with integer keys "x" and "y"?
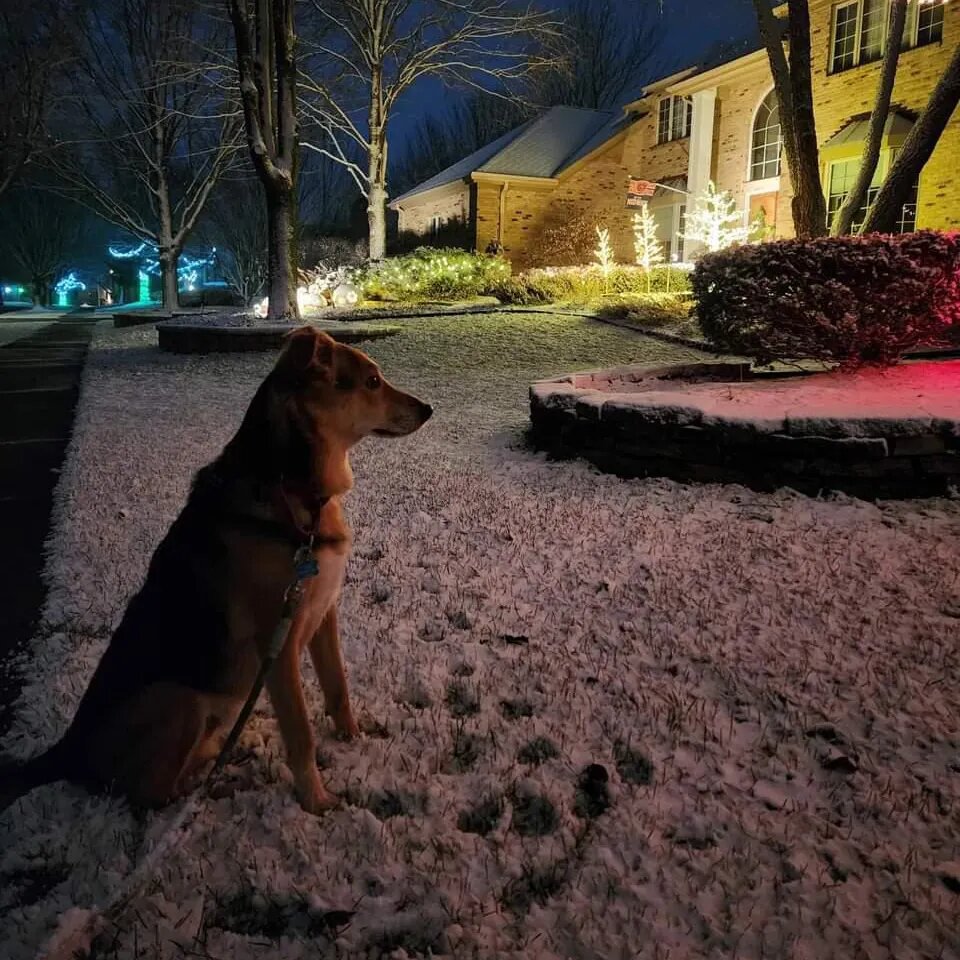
{"x": 690, "y": 30}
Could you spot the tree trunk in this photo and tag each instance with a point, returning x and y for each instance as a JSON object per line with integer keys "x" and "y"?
{"x": 793, "y": 84}
{"x": 377, "y": 221}
{"x": 169, "y": 287}
{"x": 857, "y": 197}
{"x": 377, "y": 169}
{"x": 915, "y": 152}
{"x": 281, "y": 254}
{"x": 809, "y": 206}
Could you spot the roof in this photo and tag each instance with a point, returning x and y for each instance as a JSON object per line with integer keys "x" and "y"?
{"x": 542, "y": 147}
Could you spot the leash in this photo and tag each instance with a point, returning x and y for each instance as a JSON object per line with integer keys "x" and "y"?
{"x": 78, "y": 928}
{"x": 304, "y": 568}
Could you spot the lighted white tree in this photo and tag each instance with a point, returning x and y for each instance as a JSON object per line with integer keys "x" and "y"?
{"x": 604, "y": 252}
{"x": 715, "y": 221}
{"x": 647, "y": 247}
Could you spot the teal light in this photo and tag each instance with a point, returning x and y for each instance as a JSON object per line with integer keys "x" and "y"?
{"x": 144, "y": 295}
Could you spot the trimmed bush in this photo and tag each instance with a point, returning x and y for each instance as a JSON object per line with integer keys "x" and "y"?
{"x": 586, "y": 284}
{"x": 648, "y": 310}
{"x": 432, "y": 274}
{"x": 849, "y": 300}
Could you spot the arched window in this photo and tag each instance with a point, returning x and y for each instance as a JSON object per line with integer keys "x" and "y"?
{"x": 766, "y": 142}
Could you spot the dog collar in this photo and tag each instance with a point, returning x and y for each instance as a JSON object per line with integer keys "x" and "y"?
{"x": 268, "y": 529}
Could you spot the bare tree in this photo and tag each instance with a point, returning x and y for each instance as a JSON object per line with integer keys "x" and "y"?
{"x": 44, "y": 237}
{"x": 370, "y": 52}
{"x": 857, "y": 197}
{"x": 236, "y": 223}
{"x": 152, "y": 130}
{"x": 600, "y": 54}
{"x": 266, "y": 40}
{"x": 439, "y": 140}
{"x": 794, "y": 88}
{"x": 34, "y": 49}
{"x": 915, "y": 152}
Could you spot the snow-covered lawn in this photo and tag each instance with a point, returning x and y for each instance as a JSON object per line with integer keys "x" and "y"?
{"x": 605, "y": 719}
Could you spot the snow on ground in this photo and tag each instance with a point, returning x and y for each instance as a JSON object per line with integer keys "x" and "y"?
{"x": 606, "y": 719}
{"x": 927, "y": 393}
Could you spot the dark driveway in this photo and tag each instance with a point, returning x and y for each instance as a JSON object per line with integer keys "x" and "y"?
{"x": 39, "y": 386}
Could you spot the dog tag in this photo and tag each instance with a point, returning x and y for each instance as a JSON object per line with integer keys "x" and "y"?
{"x": 305, "y": 564}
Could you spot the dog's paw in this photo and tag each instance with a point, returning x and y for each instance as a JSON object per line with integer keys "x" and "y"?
{"x": 346, "y": 726}
{"x": 314, "y": 797}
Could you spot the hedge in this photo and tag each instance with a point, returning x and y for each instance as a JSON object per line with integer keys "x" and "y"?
{"x": 849, "y": 300}
{"x": 584, "y": 284}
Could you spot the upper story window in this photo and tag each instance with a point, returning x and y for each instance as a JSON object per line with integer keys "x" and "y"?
{"x": 860, "y": 29}
{"x": 766, "y": 142}
{"x": 674, "y": 119}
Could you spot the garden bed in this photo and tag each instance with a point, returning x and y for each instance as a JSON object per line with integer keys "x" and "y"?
{"x": 193, "y": 337}
{"x": 873, "y": 433}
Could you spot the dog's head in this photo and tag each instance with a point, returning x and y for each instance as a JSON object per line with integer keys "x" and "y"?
{"x": 318, "y": 401}
{"x": 341, "y": 392}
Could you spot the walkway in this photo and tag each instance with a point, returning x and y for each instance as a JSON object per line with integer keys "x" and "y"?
{"x": 39, "y": 385}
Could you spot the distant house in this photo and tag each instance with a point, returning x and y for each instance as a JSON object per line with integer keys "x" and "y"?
{"x": 716, "y": 121}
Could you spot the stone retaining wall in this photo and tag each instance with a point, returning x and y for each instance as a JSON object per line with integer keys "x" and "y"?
{"x": 581, "y": 416}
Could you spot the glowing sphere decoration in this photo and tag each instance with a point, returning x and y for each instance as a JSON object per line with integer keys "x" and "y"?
{"x": 345, "y": 295}
{"x": 310, "y": 299}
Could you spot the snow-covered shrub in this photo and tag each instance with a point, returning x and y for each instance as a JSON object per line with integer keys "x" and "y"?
{"x": 430, "y": 273}
{"x": 851, "y": 300}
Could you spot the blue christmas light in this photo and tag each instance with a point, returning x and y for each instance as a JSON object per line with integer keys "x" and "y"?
{"x": 188, "y": 268}
{"x": 64, "y": 286}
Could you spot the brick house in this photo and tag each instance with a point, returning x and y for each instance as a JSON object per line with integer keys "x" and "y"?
{"x": 714, "y": 122}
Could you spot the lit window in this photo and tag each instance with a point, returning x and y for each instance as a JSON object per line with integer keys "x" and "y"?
{"x": 843, "y": 175}
{"x": 860, "y": 29}
{"x": 674, "y": 119}
{"x": 767, "y": 142}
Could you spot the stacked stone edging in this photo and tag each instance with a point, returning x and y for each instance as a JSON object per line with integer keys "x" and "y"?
{"x": 905, "y": 457}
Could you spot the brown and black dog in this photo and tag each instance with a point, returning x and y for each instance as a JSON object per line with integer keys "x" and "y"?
{"x": 186, "y": 653}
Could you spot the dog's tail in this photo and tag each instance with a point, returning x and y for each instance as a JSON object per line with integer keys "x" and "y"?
{"x": 16, "y": 779}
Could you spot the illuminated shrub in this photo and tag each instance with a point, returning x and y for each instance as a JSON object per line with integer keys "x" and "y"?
{"x": 430, "y": 273}
{"x": 849, "y": 300}
{"x": 586, "y": 284}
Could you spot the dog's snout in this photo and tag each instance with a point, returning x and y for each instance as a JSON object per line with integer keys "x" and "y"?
{"x": 426, "y": 411}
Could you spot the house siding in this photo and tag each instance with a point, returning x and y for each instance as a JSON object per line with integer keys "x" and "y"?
{"x": 840, "y": 96}
{"x": 596, "y": 188}
{"x": 451, "y": 202}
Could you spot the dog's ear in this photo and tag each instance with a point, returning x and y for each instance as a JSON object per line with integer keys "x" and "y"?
{"x": 307, "y": 351}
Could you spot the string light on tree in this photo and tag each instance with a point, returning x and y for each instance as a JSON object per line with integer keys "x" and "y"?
{"x": 715, "y": 221}
{"x": 65, "y": 286}
{"x": 188, "y": 268}
{"x": 647, "y": 247}
{"x": 604, "y": 253}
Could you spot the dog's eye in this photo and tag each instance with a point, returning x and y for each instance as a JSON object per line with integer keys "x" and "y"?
{"x": 373, "y": 382}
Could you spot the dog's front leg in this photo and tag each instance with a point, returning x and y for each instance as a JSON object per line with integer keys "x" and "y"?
{"x": 328, "y": 662}
{"x": 286, "y": 694}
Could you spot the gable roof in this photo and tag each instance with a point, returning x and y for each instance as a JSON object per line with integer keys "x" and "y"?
{"x": 541, "y": 147}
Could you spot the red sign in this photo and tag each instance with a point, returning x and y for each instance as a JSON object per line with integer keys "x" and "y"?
{"x": 640, "y": 188}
